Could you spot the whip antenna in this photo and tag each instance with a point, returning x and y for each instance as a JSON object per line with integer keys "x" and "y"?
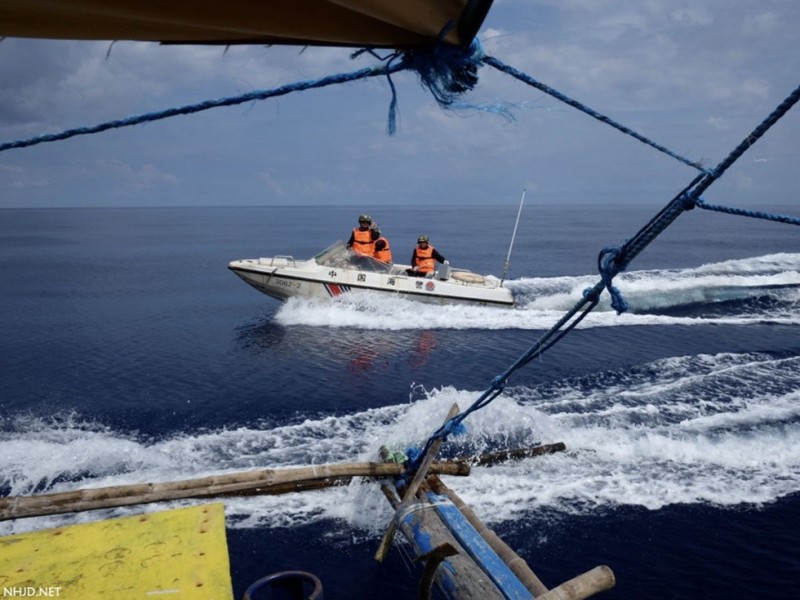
{"x": 513, "y": 235}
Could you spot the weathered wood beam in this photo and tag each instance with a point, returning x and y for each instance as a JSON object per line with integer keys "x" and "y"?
{"x": 583, "y": 586}
{"x": 493, "y": 458}
{"x": 263, "y": 481}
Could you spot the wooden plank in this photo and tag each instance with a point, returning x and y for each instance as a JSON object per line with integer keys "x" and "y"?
{"x": 180, "y": 554}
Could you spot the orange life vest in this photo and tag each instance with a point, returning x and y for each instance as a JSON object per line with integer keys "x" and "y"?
{"x": 425, "y": 261}
{"x": 362, "y": 241}
{"x": 384, "y": 255}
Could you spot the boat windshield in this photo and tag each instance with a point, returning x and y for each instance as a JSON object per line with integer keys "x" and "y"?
{"x": 340, "y": 256}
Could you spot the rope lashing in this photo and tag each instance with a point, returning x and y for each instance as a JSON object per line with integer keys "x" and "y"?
{"x": 613, "y": 261}
{"x": 607, "y": 268}
{"x": 489, "y": 60}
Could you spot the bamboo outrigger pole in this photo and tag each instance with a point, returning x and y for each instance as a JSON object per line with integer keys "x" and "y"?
{"x": 263, "y": 481}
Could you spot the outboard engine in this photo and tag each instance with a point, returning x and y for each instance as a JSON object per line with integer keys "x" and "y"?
{"x": 443, "y": 272}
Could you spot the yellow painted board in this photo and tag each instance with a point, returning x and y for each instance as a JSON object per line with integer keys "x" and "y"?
{"x": 178, "y": 554}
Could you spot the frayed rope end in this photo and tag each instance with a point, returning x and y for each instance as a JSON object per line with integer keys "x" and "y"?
{"x": 446, "y": 71}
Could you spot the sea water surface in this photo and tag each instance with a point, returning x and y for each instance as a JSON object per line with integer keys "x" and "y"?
{"x": 131, "y": 354}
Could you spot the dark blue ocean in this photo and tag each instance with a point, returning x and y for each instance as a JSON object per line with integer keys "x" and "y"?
{"x": 129, "y": 353}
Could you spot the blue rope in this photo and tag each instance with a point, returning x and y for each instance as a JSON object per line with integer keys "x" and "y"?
{"x": 689, "y": 197}
{"x": 612, "y": 261}
{"x": 209, "y": 104}
{"x": 751, "y": 139}
{"x": 489, "y": 60}
{"x": 568, "y": 322}
{"x": 447, "y": 71}
{"x": 605, "y": 262}
{"x": 755, "y": 214}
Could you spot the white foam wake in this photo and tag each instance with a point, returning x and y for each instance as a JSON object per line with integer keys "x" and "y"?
{"x": 721, "y": 429}
{"x": 652, "y": 296}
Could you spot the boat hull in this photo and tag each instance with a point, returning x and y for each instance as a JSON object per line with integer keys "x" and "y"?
{"x": 283, "y": 278}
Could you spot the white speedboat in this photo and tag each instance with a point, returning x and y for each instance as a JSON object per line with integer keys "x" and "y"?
{"x": 338, "y": 270}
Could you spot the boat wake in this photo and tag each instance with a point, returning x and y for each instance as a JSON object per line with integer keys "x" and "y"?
{"x": 753, "y": 290}
{"x": 719, "y": 430}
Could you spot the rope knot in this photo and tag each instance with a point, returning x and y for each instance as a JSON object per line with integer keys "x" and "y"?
{"x": 453, "y": 427}
{"x": 446, "y": 71}
{"x": 688, "y": 202}
{"x": 591, "y": 294}
{"x": 498, "y": 383}
{"x": 413, "y": 454}
{"x": 608, "y": 267}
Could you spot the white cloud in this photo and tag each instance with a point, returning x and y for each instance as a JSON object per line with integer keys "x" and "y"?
{"x": 691, "y": 76}
{"x": 19, "y": 178}
{"x": 761, "y": 24}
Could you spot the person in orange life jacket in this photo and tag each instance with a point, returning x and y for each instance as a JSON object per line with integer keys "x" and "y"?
{"x": 423, "y": 261}
{"x": 383, "y": 252}
{"x": 362, "y": 240}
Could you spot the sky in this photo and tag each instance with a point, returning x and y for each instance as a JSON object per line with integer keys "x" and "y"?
{"x": 693, "y": 75}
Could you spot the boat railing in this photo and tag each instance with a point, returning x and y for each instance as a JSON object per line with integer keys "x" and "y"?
{"x": 401, "y": 270}
{"x": 331, "y": 252}
{"x": 282, "y": 260}
{"x": 340, "y": 256}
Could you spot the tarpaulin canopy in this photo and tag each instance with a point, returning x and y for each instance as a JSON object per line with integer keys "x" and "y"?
{"x": 357, "y": 23}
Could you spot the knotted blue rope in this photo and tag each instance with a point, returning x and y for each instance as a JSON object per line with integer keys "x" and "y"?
{"x": 447, "y": 71}
{"x": 608, "y": 270}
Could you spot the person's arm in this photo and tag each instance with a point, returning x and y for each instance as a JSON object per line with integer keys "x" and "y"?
{"x": 414, "y": 259}
{"x": 380, "y": 245}
{"x": 351, "y": 240}
{"x": 438, "y": 256}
